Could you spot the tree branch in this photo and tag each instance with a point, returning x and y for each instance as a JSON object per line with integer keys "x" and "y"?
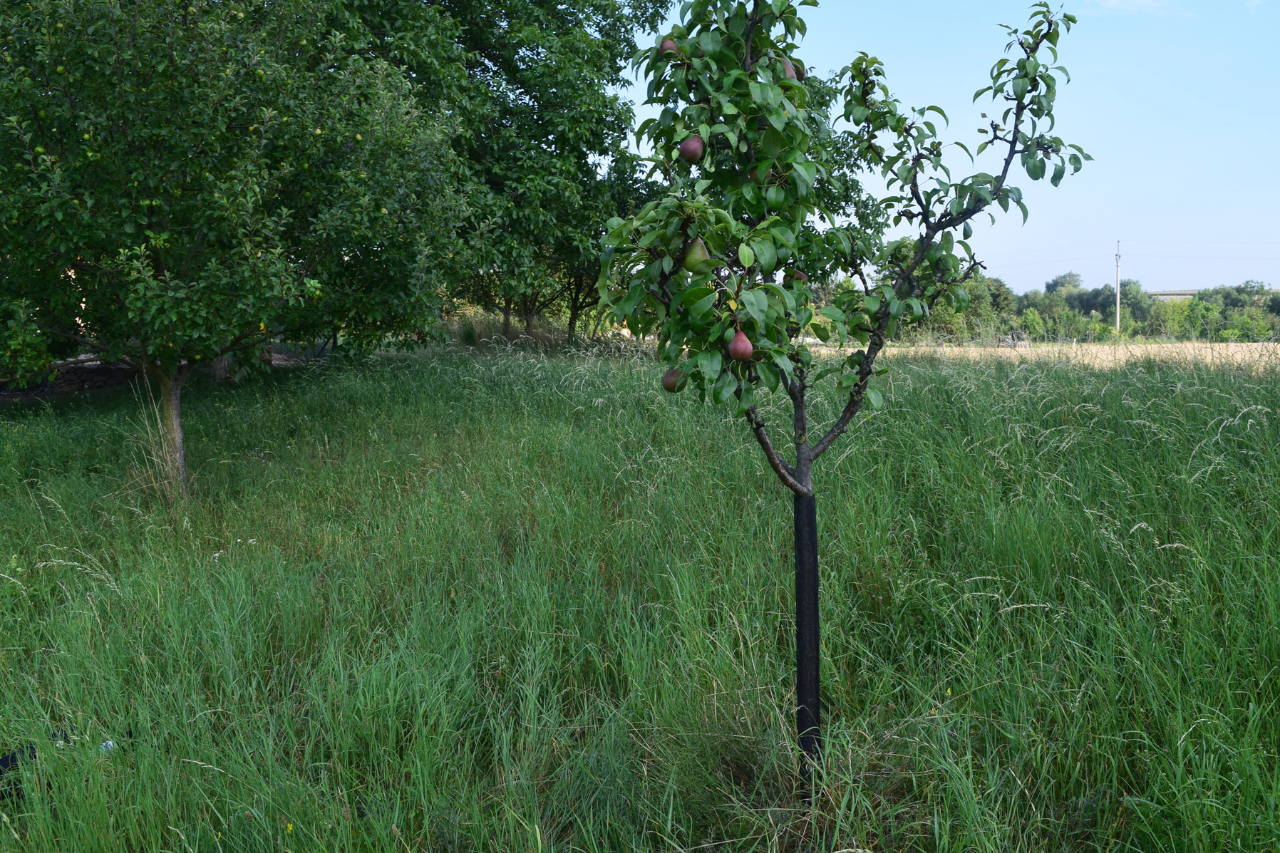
{"x": 784, "y": 471}
{"x": 856, "y": 396}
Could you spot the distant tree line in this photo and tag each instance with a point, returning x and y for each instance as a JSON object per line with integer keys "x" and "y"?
{"x": 1066, "y": 310}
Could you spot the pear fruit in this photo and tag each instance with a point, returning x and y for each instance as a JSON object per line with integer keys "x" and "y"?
{"x": 801, "y": 72}
{"x": 789, "y": 68}
{"x": 692, "y": 149}
{"x": 696, "y": 256}
{"x": 668, "y": 47}
{"x": 741, "y": 349}
{"x": 673, "y": 381}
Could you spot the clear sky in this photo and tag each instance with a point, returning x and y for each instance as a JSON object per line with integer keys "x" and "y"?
{"x": 1178, "y": 101}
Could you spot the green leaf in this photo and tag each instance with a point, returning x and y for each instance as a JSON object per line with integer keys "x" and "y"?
{"x": 875, "y": 398}
{"x": 746, "y": 256}
{"x": 695, "y": 294}
{"x": 768, "y": 375}
{"x": 709, "y": 364}
{"x": 834, "y": 314}
{"x": 766, "y": 254}
{"x": 700, "y": 309}
{"x": 756, "y": 303}
{"x": 724, "y": 387}
{"x": 783, "y": 295}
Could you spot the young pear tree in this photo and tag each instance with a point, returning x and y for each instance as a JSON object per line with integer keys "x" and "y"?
{"x": 762, "y": 195}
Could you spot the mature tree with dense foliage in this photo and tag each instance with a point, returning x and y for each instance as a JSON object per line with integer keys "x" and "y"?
{"x": 534, "y": 86}
{"x": 575, "y": 254}
{"x": 185, "y": 180}
{"x": 718, "y": 267}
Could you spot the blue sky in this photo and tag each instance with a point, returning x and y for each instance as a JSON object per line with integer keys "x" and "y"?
{"x": 1178, "y": 101}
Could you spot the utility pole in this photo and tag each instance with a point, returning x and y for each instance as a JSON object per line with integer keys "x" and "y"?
{"x": 1117, "y": 289}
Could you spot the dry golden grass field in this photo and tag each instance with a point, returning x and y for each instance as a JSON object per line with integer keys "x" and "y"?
{"x": 1105, "y": 356}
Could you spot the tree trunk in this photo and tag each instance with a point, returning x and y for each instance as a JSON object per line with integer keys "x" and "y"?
{"x": 573, "y": 321}
{"x": 528, "y": 325}
{"x": 575, "y": 307}
{"x": 222, "y": 369}
{"x": 173, "y": 448}
{"x": 808, "y": 642}
{"x": 506, "y": 318}
{"x": 808, "y": 712}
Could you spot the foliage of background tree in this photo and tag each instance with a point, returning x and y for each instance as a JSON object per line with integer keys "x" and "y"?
{"x": 534, "y": 88}
{"x": 183, "y": 180}
{"x": 719, "y": 266}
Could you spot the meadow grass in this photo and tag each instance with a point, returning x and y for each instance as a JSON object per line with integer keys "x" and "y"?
{"x": 516, "y": 602}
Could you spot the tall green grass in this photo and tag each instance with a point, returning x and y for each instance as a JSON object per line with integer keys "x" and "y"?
{"x": 513, "y": 602}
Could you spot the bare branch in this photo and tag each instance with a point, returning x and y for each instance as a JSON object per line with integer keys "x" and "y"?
{"x": 96, "y": 346}
{"x": 247, "y": 340}
{"x": 856, "y": 395}
{"x": 784, "y": 471}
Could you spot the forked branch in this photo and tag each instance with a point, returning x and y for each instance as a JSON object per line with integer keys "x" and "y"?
{"x": 784, "y": 471}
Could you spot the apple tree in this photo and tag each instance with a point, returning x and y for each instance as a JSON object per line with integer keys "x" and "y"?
{"x": 184, "y": 180}
{"x": 767, "y": 187}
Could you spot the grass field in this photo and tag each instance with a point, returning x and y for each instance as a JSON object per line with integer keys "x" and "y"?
{"x": 1263, "y": 357}
{"x": 460, "y": 602}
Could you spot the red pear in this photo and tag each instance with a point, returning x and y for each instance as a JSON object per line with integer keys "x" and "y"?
{"x": 692, "y": 149}
{"x": 668, "y": 46}
{"x": 673, "y": 381}
{"x": 788, "y": 68}
{"x": 801, "y": 72}
{"x": 741, "y": 349}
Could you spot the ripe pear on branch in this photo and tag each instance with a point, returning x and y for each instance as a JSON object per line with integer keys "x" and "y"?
{"x": 741, "y": 349}
{"x": 692, "y": 149}
{"x": 673, "y": 381}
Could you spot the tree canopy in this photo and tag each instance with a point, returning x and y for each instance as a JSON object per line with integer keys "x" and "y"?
{"x": 763, "y": 195}
{"x": 185, "y": 180}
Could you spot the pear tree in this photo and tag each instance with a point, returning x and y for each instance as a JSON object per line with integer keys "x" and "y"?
{"x": 182, "y": 180}
{"x": 768, "y": 174}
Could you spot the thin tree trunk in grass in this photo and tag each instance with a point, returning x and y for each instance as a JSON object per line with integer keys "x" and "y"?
{"x": 506, "y": 319}
{"x": 808, "y": 642}
{"x": 573, "y": 321}
{"x": 799, "y": 480}
{"x": 808, "y": 712}
{"x": 173, "y": 447}
{"x": 575, "y": 308}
